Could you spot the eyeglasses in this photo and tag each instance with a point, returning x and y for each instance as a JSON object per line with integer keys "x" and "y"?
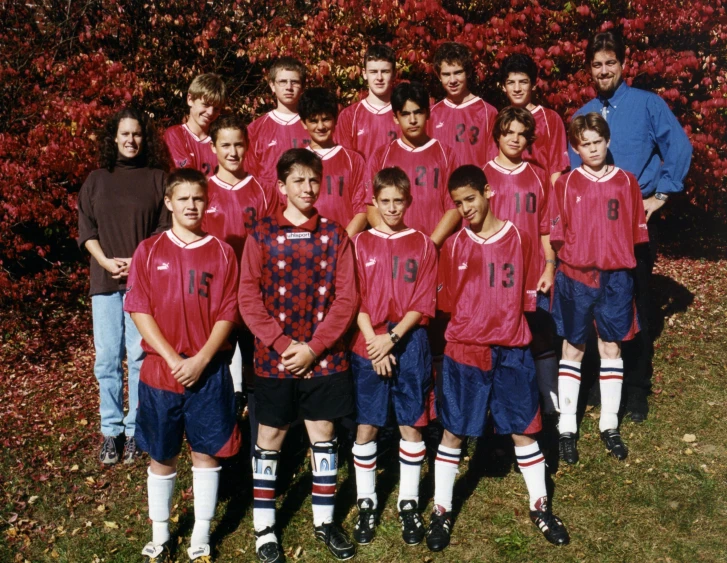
{"x": 286, "y": 83}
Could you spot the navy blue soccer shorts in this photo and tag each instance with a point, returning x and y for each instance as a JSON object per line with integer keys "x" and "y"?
{"x": 576, "y": 306}
{"x": 407, "y": 389}
{"x": 205, "y": 412}
{"x": 509, "y": 391}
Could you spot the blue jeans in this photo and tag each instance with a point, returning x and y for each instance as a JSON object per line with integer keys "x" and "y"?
{"x": 115, "y": 334}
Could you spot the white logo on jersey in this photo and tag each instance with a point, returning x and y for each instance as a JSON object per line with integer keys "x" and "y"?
{"x": 272, "y": 143}
{"x": 578, "y": 199}
{"x": 361, "y": 131}
{"x": 294, "y": 236}
{"x": 371, "y": 262}
{"x": 463, "y": 266}
{"x": 440, "y": 125}
{"x": 164, "y": 266}
{"x": 212, "y": 209}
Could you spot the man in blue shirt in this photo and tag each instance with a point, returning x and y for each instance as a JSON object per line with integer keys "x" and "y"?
{"x": 648, "y": 141}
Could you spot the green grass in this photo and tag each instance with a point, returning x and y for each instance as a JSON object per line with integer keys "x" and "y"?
{"x": 667, "y": 502}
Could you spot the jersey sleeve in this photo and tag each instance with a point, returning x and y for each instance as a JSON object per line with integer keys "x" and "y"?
{"x": 229, "y": 310}
{"x": 358, "y": 185}
{"x": 558, "y": 145}
{"x": 640, "y": 229}
{"x": 360, "y": 274}
{"x": 543, "y": 209}
{"x": 87, "y": 225}
{"x": 345, "y": 302}
{"x": 425, "y": 294}
{"x": 250, "y": 300}
{"x": 531, "y": 275}
{"x": 453, "y": 162}
{"x": 137, "y": 298}
{"x": 178, "y": 150}
{"x": 557, "y": 214}
{"x": 344, "y": 127}
{"x": 251, "y": 160}
{"x": 374, "y": 164}
{"x": 444, "y": 276}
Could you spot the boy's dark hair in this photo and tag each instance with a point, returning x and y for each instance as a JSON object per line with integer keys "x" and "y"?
{"x": 229, "y": 121}
{"x": 590, "y": 122}
{"x": 317, "y": 101}
{"x": 380, "y": 52}
{"x": 184, "y": 176}
{"x": 606, "y": 41}
{"x": 210, "y": 87}
{"x": 452, "y": 53}
{"x": 298, "y": 157}
{"x": 509, "y": 114}
{"x": 153, "y": 153}
{"x": 518, "y": 63}
{"x": 393, "y": 177}
{"x": 409, "y": 92}
{"x": 287, "y": 63}
{"x": 467, "y": 176}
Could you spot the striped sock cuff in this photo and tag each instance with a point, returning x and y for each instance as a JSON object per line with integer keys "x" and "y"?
{"x": 528, "y": 456}
{"x": 364, "y": 455}
{"x": 448, "y": 456}
{"x": 569, "y": 369}
{"x": 411, "y": 453}
{"x": 612, "y": 369}
{"x": 264, "y": 476}
{"x": 324, "y": 488}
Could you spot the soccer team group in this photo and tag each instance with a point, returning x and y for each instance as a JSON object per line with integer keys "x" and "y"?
{"x": 392, "y": 263}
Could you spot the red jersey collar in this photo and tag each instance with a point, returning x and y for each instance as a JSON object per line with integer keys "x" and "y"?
{"x": 310, "y": 225}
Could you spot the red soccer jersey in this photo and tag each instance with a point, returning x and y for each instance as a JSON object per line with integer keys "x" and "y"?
{"x": 521, "y": 196}
{"x": 232, "y": 210}
{"x": 343, "y": 193}
{"x": 187, "y": 288}
{"x": 189, "y": 151}
{"x": 550, "y": 149}
{"x": 428, "y": 168}
{"x": 466, "y": 129}
{"x": 364, "y": 128}
{"x": 486, "y": 285}
{"x": 597, "y": 221}
{"x": 270, "y": 136}
{"x": 411, "y": 257}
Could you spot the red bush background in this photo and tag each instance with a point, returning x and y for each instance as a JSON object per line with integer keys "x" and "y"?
{"x": 67, "y": 65}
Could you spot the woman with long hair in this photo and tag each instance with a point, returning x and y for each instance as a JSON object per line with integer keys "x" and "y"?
{"x": 119, "y": 205}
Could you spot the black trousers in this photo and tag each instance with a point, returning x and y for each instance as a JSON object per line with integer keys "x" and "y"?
{"x": 639, "y": 352}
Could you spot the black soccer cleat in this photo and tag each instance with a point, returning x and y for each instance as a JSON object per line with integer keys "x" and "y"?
{"x": 614, "y": 444}
{"x": 550, "y": 525}
{"x": 269, "y": 552}
{"x": 412, "y": 527}
{"x": 567, "y": 448}
{"x": 338, "y": 544}
{"x": 440, "y": 529}
{"x": 365, "y": 528}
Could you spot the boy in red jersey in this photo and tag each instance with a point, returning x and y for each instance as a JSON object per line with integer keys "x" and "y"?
{"x": 426, "y": 161}
{"x": 343, "y": 194}
{"x": 298, "y": 296}
{"x": 390, "y": 358}
{"x": 461, "y": 121}
{"x": 598, "y": 217}
{"x": 189, "y": 144}
{"x": 182, "y": 299}
{"x": 518, "y": 75}
{"x": 366, "y": 125}
{"x": 280, "y": 129}
{"x": 485, "y": 284}
{"x": 236, "y": 202}
{"x": 520, "y": 193}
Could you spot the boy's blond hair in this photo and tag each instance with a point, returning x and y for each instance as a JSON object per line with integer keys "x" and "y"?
{"x": 184, "y": 176}
{"x": 393, "y": 177}
{"x": 287, "y": 63}
{"x": 210, "y": 87}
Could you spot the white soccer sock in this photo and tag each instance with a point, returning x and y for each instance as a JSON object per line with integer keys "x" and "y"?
{"x": 264, "y": 475}
{"x": 532, "y": 465}
{"x": 611, "y": 381}
{"x": 324, "y": 458}
{"x": 569, "y": 384}
{"x": 546, "y": 371}
{"x": 205, "y": 482}
{"x": 236, "y": 369}
{"x": 364, "y": 460}
{"x": 411, "y": 457}
{"x": 160, "y": 489}
{"x": 446, "y": 467}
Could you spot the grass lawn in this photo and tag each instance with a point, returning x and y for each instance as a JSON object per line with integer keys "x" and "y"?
{"x": 667, "y": 502}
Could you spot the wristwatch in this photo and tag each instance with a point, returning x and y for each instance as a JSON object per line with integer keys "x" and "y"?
{"x": 661, "y": 196}
{"x": 394, "y": 337}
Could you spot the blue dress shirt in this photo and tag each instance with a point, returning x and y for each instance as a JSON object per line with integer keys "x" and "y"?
{"x": 646, "y": 139}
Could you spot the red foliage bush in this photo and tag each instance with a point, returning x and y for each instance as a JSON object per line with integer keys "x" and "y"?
{"x": 67, "y": 65}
